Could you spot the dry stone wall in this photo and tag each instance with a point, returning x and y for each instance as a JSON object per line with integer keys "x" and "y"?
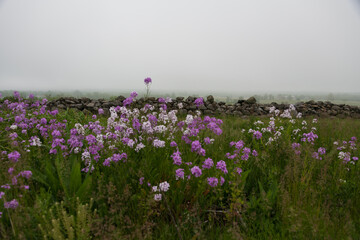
{"x": 242, "y": 108}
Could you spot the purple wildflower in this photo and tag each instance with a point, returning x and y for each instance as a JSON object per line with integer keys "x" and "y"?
{"x": 147, "y": 80}
{"x": 10, "y": 170}
{"x": 196, "y": 171}
{"x": 213, "y": 181}
{"x": 13, "y": 135}
{"x": 91, "y": 139}
{"x": 25, "y": 174}
{"x": 229, "y": 156}
{"x": 222, "y": 180}
{"x": 207, "y": 140}
{"x": 6, "y": 186}
{"x": 133, "y": 94}
{"x": 56, "y": 133}
{"x": 17, "y": 95}
{"x": 254, "y": 153}
{"x": 257, "y": 135}
{"x": 12, "y": 204}
{"x": 176, "y": 157}
{"x": 202, "y": 152}
{"x": 245, "y": 157}
{"x": 208, "y": 163}
{"x": 179, "y": 173}
{"x": 117, "y": 157}
{"x": 53, "y": 113}
{"x": 195, "y": 146}
{"x": 246, "y": 150}
{"x": 295, "y": 145}
{"x": 321, "y": 150}
{"x": 199, "y": 101}
{"x": 309, "y": 137}
{"x": 315, "y": 155}
{"x": 141, "y": 180}
{"x": 222, "y": 166}
{"x": 107, "y": 162}
{"x": 53, "y": 151}
{"x": 239, "y": 145}
{"x": 14, "y": 180}
{"x": 128, "y": 101}
{"x": 43, "y": 121}
{"x": 14, "y": 156}
{"x": 239, "y": 171}
{"x": 161, "y": 100}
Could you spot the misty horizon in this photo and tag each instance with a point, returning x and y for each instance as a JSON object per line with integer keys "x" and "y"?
{"x": 203, "y": 46}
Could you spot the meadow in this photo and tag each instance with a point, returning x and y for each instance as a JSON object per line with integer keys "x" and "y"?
{"x": 145, "y": 174}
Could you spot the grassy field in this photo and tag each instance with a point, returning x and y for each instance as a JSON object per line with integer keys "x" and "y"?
{"x": 144, "y": 175}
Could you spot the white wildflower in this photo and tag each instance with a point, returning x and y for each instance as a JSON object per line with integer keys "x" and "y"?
{"x": 164, "y": 186}
{"x": 157, "y": 197}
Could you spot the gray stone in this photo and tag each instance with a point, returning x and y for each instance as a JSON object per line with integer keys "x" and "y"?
{"x": 120, "y": 98}
{"x": 79, "y": 106}
{"x": 237, "y": 113}
{"x": 192, "y": 107}
{"x": 190, "y": 99}
{"x": 251, "y": 100}
{"x": 336, "y": 108}
{"x": 246, "y": 112}
{"x": 210, "y": 98}
{"x": 90, "y": 105}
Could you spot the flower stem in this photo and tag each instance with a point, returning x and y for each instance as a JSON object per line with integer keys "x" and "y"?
{"x": 12, "y": 225}
{"x": 172, "y": 218}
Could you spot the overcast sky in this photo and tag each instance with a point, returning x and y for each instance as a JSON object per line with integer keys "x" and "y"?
{"x": 239, "y": 45}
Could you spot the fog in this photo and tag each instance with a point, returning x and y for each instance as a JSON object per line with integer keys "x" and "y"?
{"x": 202, "y": 45}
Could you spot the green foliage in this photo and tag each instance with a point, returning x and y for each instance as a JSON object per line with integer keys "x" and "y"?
{"x": 59, "y": 224}
{"x": 63, "y": 177}
{"x": 279, "y": 194}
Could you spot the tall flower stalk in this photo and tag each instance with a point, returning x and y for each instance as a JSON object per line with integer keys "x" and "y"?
{"x": 147, "y": 82}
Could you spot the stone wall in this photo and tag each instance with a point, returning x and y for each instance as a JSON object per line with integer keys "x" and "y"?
{"x": 243, "y": 108}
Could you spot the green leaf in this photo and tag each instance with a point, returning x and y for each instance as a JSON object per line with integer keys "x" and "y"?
{"x": 85, "y": 188}
{"x": 75, "y": 177}
{"x": 63, "y": 181}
